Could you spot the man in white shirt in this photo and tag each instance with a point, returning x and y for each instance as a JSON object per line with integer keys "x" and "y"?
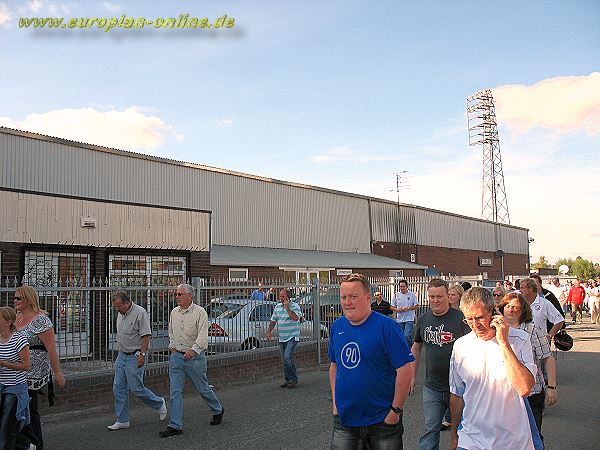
{"x": 491, "y": 370}
{"x": 559, "y": 290}
{"x": 405, "y": 304}
{"x": 541, "y": 308}
{"x": 188, "y": 339}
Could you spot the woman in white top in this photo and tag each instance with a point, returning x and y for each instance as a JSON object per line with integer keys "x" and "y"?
{"x": 14, "y": 362}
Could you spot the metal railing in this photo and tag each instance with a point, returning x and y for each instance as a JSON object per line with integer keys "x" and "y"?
{"x": 85, "y": 320}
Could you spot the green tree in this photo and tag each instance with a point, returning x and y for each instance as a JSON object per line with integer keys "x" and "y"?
{"x": 542, "y": 263}
{"x": 580, "y": 267}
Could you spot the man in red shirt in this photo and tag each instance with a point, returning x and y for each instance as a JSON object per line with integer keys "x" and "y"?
{"x": 575, "y": 298}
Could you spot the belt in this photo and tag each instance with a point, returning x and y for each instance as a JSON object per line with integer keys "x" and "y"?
{"x": 130, "y": 353}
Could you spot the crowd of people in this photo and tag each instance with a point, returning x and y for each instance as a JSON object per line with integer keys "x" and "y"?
{"x": 489, "y": 371}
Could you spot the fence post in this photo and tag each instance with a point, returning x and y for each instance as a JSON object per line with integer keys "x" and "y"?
{"x": 317, "y": 318}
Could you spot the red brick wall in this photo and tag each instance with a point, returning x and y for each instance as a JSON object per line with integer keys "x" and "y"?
{"x": 453, "y": 260}
{"x": 80, "y": 394}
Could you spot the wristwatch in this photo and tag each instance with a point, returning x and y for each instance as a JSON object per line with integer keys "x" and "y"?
{"x": 142, "y": 353}
{"x": 551, "y": 387}
{"x": 396, "y": 410}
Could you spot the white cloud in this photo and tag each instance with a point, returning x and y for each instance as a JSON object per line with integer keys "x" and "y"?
{"x": 35, "y": 6}
{"x": 225, "y": 122}
{"x": 112, "y": 7}
{"x": 562, "y": 104}
{"x": 130, "y": 129}
{"x": 5, "y": 15}
{"x": 347, "y": 154}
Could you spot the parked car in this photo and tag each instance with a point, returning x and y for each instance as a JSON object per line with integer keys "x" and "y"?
{"x": 219, "y": 305}
{"x": 245, "y": 328}
{"x": 329, "y": 303}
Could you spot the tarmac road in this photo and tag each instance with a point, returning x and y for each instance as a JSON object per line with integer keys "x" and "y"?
{"x": 264, "y": 416}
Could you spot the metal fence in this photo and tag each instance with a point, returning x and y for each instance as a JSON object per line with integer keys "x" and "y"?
{"x": 85, "y": 321}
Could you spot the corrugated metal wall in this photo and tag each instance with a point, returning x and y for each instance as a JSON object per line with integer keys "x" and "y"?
{"x": 54, "y": 220}
{"x": 437, "y": 229}
{"x": 246, "y": 211}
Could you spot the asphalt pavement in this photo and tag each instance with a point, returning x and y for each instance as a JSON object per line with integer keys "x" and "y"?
{"x": 264, "y": 416}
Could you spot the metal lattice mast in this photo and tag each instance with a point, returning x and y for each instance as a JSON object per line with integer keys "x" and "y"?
{"x": 483, "y": 130}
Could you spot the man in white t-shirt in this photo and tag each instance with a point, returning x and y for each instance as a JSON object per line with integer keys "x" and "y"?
{"x": 404, "y": 304}
{"x": 559, "y": 290}
{"x": 491, "y": 370}
{"x": 541, "y": 309}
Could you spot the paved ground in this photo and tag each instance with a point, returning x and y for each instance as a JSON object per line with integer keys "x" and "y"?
{"x": 264, "y": 416}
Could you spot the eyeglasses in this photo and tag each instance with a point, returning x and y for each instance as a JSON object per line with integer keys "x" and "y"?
{"x": 497, "y": 295}
{"x": 477, "y": 319}
{"x": 17, "y": 298}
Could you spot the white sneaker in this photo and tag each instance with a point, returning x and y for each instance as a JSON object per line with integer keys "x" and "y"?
{"x": 118, "y": 426}
{"x": 163, "y": 410}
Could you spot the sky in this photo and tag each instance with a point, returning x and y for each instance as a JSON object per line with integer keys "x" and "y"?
{"x": 337, "y": 94}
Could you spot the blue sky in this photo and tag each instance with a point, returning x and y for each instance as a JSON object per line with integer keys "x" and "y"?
{"x": 334, "y": 94}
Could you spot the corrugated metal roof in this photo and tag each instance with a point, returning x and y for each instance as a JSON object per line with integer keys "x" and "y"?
{"x": 224, "y": 255}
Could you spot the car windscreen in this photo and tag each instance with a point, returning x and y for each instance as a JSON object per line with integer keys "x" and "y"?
{"x": 231, "y": 313}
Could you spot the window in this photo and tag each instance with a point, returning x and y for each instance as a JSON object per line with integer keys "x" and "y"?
{"x": 62, "y": 273}
{"x": 261, "y": 313}
{"x": 236, "y": 274}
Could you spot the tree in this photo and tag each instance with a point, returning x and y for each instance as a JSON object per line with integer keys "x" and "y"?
{"x": 542, "y": 263}
{"x": 580, "y": 267}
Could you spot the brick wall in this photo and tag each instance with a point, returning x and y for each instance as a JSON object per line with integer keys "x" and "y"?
{"x": 80, "y": 394}
{"x": 453, "y": 260}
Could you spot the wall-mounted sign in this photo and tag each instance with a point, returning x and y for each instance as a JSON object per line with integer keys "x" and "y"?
{"x": 343, "y": 272}
{"x": 88, "y": 222}
{"x": 413, "y": 257}
{"x": 484, "y": 262}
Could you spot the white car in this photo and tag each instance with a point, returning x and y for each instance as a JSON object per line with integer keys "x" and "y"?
{"x": 245, "y": 328}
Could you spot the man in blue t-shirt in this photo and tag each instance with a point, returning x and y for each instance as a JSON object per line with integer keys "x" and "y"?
{"x": 369, "y": 374}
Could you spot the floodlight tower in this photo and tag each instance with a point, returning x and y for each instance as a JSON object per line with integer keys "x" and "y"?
{"x": 483, "y": 131}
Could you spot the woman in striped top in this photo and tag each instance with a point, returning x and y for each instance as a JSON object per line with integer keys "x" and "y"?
{"x": 14, "y": 363}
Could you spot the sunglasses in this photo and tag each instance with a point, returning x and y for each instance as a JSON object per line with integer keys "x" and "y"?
{"x": 17, "y": 298}
{"x": 497, "y": 295}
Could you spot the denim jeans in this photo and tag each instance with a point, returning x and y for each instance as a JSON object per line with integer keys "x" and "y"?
{"x": 380, "y": 436}
{"x": 434, "y": 408}
{"x": 31, "y": 433}
{"x": 287, "y": 356}
{"x": 195, "y": 370}
{"x": 407, "y": 328}
{"x": 129, "y": 375}
{"x": 8, "y": 421}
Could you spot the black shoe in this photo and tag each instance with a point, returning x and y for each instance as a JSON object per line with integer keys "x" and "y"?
{"x": 284, "y": 385}
{"x": 170, "y": 431}
{"x": 292, "y": 384}
{"x": 218, "y": 418}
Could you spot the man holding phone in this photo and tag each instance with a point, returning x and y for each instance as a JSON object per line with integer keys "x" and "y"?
{"x": 286, "y": 315}
{"x": 491, "y": 370}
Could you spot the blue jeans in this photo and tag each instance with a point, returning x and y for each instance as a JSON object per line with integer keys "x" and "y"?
{"x": 407, "y": 328}
{"x": 195, "y": 370}
{"x": 380, "y": 436}
{"x": 434, "y": 408}
{"x": 8, "y": 421}
{"x": 129, "y": 375}
{"x": 287, "y": 356}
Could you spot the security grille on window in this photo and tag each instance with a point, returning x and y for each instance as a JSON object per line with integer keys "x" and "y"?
{"x": 148, "y": 270}
{"x": 68, "y": 308}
